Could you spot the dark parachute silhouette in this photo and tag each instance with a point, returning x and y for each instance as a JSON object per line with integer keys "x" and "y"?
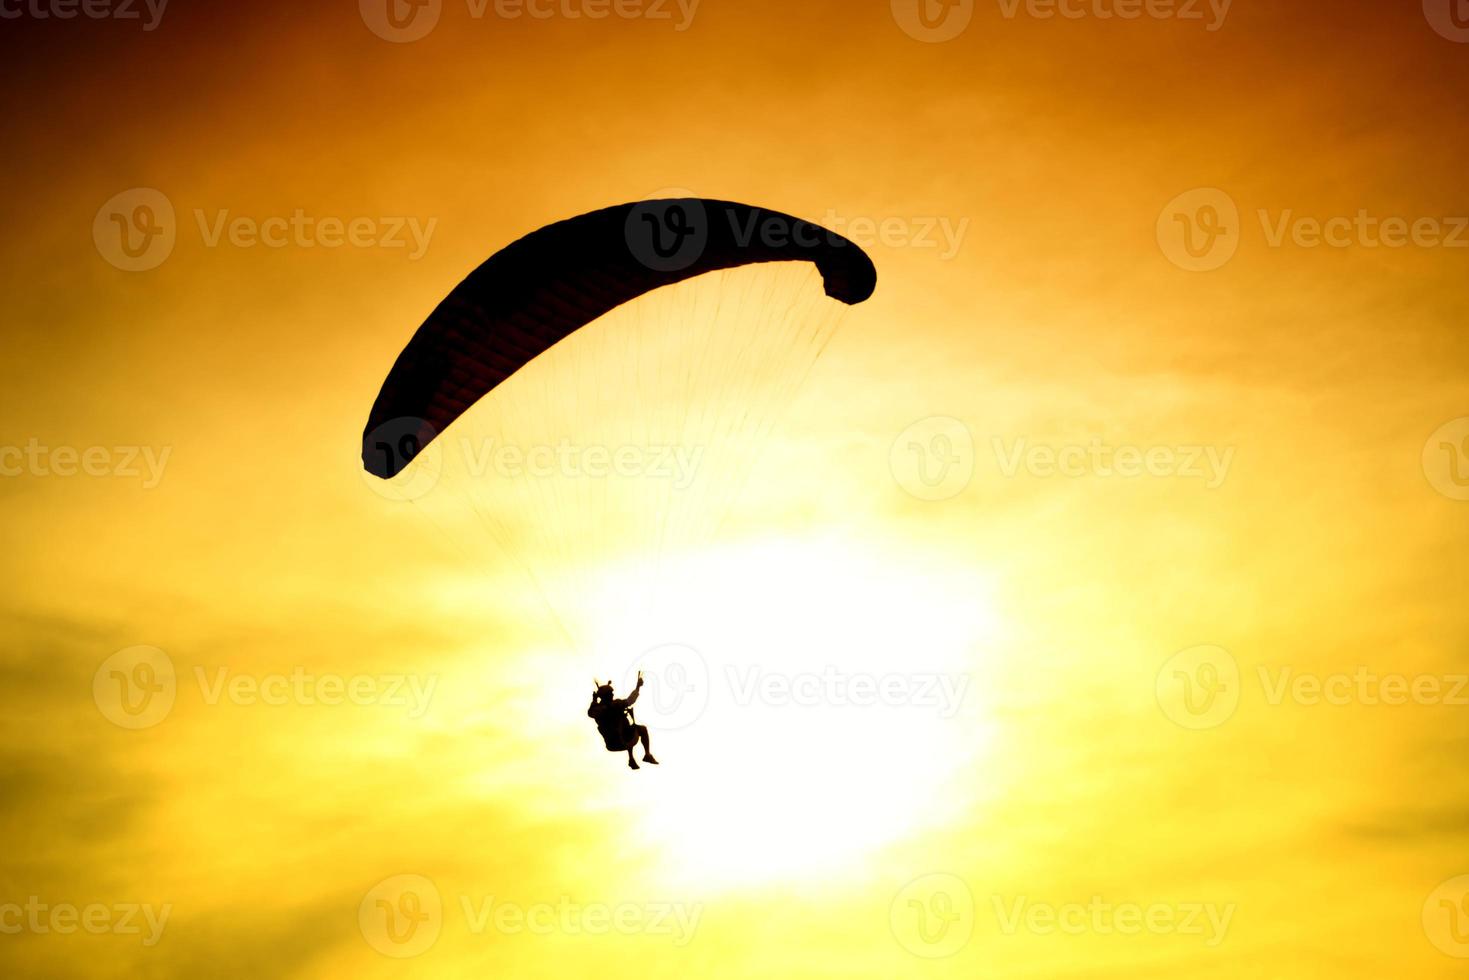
{"x": 632, "y": 363}
{"x": 537, "y": 291}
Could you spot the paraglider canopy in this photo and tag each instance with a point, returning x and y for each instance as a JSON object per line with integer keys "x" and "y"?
{"x": 535, "y": 292}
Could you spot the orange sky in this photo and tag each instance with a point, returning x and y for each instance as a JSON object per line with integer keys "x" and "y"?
{"x": 1304, "y": 525}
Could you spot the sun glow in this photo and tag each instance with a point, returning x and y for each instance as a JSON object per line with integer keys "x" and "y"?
{"x": 809, "y": 701}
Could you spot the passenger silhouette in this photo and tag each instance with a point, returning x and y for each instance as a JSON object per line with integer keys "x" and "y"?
{"x": 614, "y": 720}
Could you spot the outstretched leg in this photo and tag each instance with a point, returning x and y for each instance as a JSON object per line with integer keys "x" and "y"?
{"x": 632, "y": 741}
{"x": 642, "y": 733}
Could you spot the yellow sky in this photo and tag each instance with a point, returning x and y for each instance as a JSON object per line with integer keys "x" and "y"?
{"x": 1047, "y": 772}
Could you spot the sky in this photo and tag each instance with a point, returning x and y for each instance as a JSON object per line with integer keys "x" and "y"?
{"x": 1091, "y": 606}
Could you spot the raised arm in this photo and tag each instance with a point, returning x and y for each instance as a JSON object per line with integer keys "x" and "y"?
{"x": 628, "y": 701}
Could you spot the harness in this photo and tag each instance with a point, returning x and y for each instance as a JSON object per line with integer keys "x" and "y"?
{"x": 615, "y": 727}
